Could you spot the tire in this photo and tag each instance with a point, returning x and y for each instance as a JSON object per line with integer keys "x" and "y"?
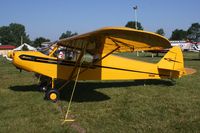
{"x": 52, "y": 95}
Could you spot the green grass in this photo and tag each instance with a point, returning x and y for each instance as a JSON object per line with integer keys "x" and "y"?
{"x": 103, "y": 107}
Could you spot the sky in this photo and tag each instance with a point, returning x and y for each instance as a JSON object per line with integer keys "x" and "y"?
{"x": 50, "y": 18}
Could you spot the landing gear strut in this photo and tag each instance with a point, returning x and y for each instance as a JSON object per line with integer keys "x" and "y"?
{"x": 52, "y": 93}
{"x": 48, "y": 86}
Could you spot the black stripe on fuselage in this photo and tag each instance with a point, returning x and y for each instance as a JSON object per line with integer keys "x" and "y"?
{"x": 72, "y": 63}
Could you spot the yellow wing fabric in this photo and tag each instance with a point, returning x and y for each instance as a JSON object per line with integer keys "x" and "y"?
{"x": 127, "y": 39}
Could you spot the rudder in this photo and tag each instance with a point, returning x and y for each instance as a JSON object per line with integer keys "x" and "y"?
{"x": 173, "y": 63}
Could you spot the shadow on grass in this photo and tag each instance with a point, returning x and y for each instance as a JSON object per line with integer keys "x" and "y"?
{"x": 196, "y": 59}
{"x": 82, "y": 93}
{"x": 88, "y": 91}
{"x": 25, "y": 88}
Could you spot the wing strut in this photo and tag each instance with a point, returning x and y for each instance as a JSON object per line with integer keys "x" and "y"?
{"x": 122, "y": 43}
{"x": 90, "y": 65}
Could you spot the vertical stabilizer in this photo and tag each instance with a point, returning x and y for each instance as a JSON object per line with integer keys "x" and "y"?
{"x": 173, "y": 62}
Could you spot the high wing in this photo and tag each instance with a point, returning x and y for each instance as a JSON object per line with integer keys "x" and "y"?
{"x": 126, "y": 39}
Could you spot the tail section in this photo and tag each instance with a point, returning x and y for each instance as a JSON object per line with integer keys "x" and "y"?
{"x": 172, "y": 63}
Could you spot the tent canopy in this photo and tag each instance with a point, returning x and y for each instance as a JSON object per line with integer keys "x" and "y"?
{"x": 25, "y": 45}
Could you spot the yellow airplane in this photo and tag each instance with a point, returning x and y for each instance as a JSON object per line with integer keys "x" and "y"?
{"x": 91, "y": 57}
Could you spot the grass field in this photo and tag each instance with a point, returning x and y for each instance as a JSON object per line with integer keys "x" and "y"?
{"x": 103, "y": 107}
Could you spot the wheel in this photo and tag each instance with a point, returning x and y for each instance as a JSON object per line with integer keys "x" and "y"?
{"x": 52, "y": 95}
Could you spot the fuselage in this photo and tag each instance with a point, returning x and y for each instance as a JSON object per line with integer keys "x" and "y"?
{"x": 112, "y": 67}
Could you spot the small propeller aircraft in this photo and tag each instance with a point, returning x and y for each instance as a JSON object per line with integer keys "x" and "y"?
{"x": 93, "y": 54}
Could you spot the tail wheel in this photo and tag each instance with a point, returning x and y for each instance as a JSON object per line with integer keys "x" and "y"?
{"x": 52, "y": 95}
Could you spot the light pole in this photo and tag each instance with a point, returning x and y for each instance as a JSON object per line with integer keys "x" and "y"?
{"x": 0, "y": 40}
{"x": 135, "y": 11}
{"x": 21, "y": 40}
{"x": 136, "y": 27}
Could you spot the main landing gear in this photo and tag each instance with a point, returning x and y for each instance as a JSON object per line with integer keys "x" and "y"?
{"x": 51, "y": 93}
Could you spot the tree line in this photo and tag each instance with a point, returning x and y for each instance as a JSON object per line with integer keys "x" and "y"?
{"x": 191, "y": 34}
{"x": 15, "y": 33}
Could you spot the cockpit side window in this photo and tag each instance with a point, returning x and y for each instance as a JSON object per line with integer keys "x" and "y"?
{"x": 72, "y": 51}
{"x": 64, "y": 53}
